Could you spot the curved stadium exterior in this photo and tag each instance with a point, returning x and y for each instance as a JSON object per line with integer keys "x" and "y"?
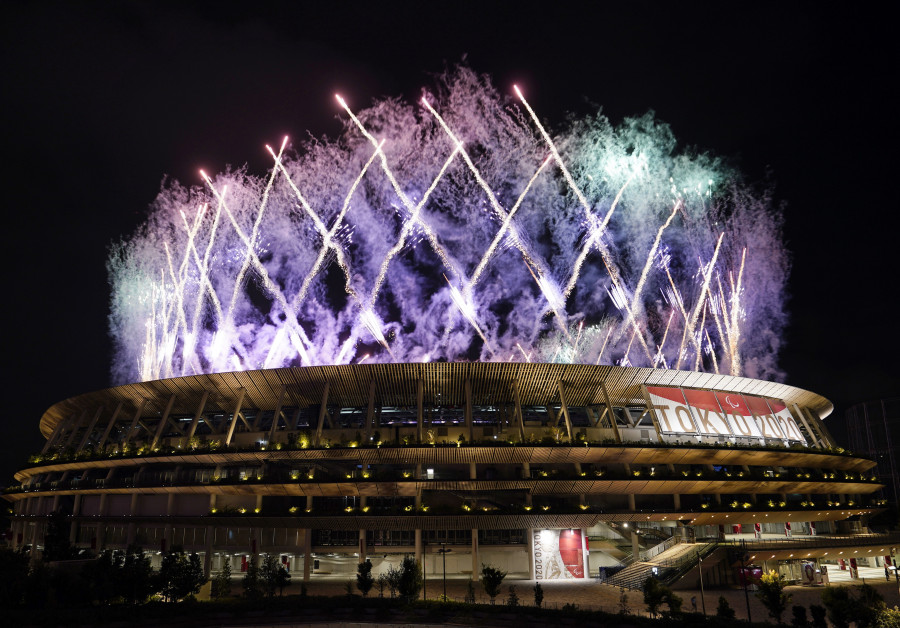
{"x": 546, "y": 470}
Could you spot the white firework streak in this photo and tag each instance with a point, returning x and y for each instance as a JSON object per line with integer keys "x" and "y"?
{"x": 606, "y": 340}
{"x": 252, "y": 259}
{"x": 502, "y": 214}
{"x": 407, "y": 203}
{"x": 635, "y": 302}
{"x": 689, "y": 323}
{"x": 327, "y": 237}
{"x": 660, "y": 355}
{"x": 505, "y": 226}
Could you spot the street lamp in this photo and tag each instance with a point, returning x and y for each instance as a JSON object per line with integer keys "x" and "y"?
{"x": 702, "y": 598}
{"x": 443, "y": 551}
{"x": 744, "y": 556}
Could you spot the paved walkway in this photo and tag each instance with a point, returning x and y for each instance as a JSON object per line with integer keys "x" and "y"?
{"x": 588, "y": 594}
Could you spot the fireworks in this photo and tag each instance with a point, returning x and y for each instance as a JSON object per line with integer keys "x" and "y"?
{"x": 456, "y": 228}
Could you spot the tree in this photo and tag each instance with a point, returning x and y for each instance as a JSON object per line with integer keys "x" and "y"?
{"x": 221, "y": 584}
{"x": 252, "y": 582}
{"x": 56, "y": 540}
{"x": 771, "y": 594}
{"x": 724, "y": 609}
{"x": 13, "y": 572}
{"x": 888, "y": 618}
{"x": 273, "y": 576}
{"x": 491, "y": 578}
{"x": 393, "y": 579}
{"x": 841, "y": 606}
{"x": 180, "y": 575}
{"x": 538, "y": 594}
{"x": 513, "y": 599}
{"x": 137, "y": 576}
{"x": 654, "y": 595}
{"x": 470, "y": 592}
{"x": 382, "y": 583}
{"x": 799, "y": 617}
{"x": 818, "y": 616}
{"x": 103, "y": 577}
{"x": 410, "y": 579}
{"x": 364, "y": 579}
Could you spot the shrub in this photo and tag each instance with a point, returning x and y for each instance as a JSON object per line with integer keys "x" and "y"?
{"x": 364, "y": 579}
{"x": 538, "y": 594}
{"x": 491, "y": 578}
{"x": 724, "y": 609}
{"x": 771, "y": 594}
{"x": 410, "y": 582}
{"x": 799, "y": 617}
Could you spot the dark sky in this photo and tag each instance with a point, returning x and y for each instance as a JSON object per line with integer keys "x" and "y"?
{"x": 101, "y": 100}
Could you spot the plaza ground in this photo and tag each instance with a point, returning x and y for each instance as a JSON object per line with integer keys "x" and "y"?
{"x": 588, "y": 594}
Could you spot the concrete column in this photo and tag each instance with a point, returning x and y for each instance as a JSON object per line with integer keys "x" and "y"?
{"x": 631, "y": 502}
{"x": 635, "y": 546}
{"x": 73, "y": 527}
{"x": 530, "y": 532}
{"x": 207, "y": 559}
{"x": 476, "y": 567}
{"x": 420, "y": 397}
{"x": 322, "y": 411}
{"x": 362, "y": 546}
{"x": 420, "y": 550}
{"x": 467, "y": 411}
{"x": 676, "y": 499}
{"x": 307, "y": 552}
{"x": 196, "y": 419}
{"x": 236, "y": 415}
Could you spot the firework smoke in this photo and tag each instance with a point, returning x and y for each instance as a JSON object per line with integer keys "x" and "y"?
{"x": 456, "y": 228}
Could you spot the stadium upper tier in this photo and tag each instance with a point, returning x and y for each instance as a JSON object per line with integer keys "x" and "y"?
{"x": 446, "y": 445}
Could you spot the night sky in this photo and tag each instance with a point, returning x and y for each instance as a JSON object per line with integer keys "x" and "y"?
{"x": 101, "y": 101}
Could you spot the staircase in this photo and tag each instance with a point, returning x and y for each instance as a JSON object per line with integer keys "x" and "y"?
{"x": 670, "y": 564}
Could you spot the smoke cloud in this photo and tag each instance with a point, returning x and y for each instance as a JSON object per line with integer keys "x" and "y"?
{"x": 393, "y": 242}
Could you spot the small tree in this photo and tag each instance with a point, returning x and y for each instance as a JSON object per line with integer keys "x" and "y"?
{"x": 624, "y": 608}
{"x": 798, "y": 620}
{"x": 654, "y": 595}
{"x": 818, "y": 616}
{"x": 136, "y": 580}
{"x": 56, "y": 540}
{"x": 771, "y": 594}
{"x": 491, "y": 578}
{"x": 470, "y": 592}
{"x": 252, "y": 582}
{"x": 273, "y": 576}
{"x": 513, "y": 598}
{"x": 102, "y": 577}
{"x": 393, "y": 579}
{"x": 381, "y": 582}
{"x": 180, "y": 575}
{"x": 13, "y": 572}
{"x": 221, "y": 584}
{"x": 410, "y": 579}
{"x": 538, "y": 594}
{"x": 364, "y": 579}
{"x": 724, "y": 609}
{"x": 673, "y": 602}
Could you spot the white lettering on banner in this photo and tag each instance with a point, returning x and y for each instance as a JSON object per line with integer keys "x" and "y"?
{"x": 707, "y": 413}
{"x": 673, "y": 414}
{"x": 538, "y": 556}
{"x": 786, "y": 420}
{"x": 719, "y": 413}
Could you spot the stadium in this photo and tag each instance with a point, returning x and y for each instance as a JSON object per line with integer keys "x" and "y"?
{"x": 561, "y": 367}
{"x": 545, "y": 470}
